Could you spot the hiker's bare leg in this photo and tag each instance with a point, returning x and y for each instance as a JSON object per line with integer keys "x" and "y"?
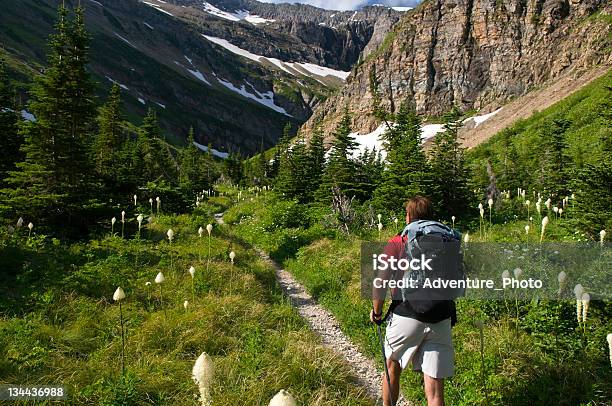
{"x": 434, "y": 390}
{"x": 394, "y": 376}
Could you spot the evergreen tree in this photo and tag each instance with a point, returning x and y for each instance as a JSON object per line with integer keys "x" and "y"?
{"x": 315, "y": 163}
{"x": 157, "y": 158}
{"x": 341, "y": 167}
{"x": 193, "y": 176}
{"x": 407, "y": 173}
{"x": 451, "y": 175}
{"x": 10, "y": 138}
{"x": 233, "y": 168}
{"x": 108, "y": 143}
{"x": 554, "y": 163}
{"x": 369, "y": 169}
{"x": 293, "y": 174}
{"x": 55, "y": 173}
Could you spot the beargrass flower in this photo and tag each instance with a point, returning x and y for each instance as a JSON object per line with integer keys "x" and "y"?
{"x": 527, "y": 229}
{"x": 202, "y": 374}
{"x": 170, "y": 235}
{"x": 118, "y": 296}
{"x": 518, "y": 273}
{"x": 20, "y": 222}
{"x": 151, "y": 204}
{"x": 200, "y": 231}
{"x": 602, "y": 236}
{"x": 586, "y": 300}
{"x": 135, "y": 199}
{"x": 232, "y": 255}
{"x": 282, "y": 398}
{"x": 186, "y": 304}
{"x": 158, "y": 200}
{"x": 209, "y": 228}
{"x": 561, "y": 278}
{"x": 544, "y": 224}
{"x": 578, "y": 291}
{"x": 466, "y": 238}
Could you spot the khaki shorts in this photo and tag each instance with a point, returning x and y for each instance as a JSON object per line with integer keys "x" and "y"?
{"x": 428, "y": 345}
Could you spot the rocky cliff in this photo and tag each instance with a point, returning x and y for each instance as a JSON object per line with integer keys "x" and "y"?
{"x": 476, "y": 54}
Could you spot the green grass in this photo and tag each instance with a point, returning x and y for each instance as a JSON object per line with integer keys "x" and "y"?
{"x": 547, "y": 362}
{"x": 59, "y": 325}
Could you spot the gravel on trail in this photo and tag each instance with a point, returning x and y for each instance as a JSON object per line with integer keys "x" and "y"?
{"x": 326, "y": 326}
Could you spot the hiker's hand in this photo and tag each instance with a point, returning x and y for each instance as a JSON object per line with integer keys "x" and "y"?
{"x": 376, "y": 318}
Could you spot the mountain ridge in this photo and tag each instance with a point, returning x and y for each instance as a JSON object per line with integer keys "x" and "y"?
{"x": 476, "y": 54}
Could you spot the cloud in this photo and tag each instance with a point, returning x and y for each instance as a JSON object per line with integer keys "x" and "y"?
{"x": 346, "y": 4}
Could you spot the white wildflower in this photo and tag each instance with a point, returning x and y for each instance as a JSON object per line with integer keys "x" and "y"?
{"x": 202, "y": 374}
{"x": 118, "y": 295}
{"x": 282, "y": 398}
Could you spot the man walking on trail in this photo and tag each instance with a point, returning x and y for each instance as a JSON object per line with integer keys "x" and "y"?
{"x": 423, "y": 338}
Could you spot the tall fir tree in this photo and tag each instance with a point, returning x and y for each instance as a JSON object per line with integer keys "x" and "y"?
{"x": 54, "y": 179}
{"x": 341, "y": 167}
{"x": 108, "y": 143}
{"x": 554, "y": 162}
{"x": 451, "y": 176}
{"x": 10, "y": 138}
{"x": 193, "y": 163}
{"x": 407, "y": 172}
{"x": 315, "y": 157}
{"x": 158, "y": 162}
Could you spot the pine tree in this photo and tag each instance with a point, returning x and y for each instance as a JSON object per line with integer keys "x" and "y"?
{"x": 108, "y": 143}
{"x": 341, "y": 167}
{"x": 450, "y": 173}
{"x": 10, "y": 138}
{"x": 407, "y": 173}
{"x": 55, "y": 173}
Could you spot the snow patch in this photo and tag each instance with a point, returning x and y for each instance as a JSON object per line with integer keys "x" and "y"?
{"x": 97, "y": 2}
{"x": 266, "y": 99}
{"x": 219, "y": 154}
{"x": 188, "y": 59}
{"x": 481, "y": 119}
{"x": 148, "y": 25}
{"x": 124, "y": 87}
{"x": 198, "y": 75}
{"x": 157, "y": 7}
{"x": 163, "y": 106}
{"x": 237, "y": 15}
{"x": 125, "y": 40}
{"x": 398, "y": 8}
{"x": 141, "y": 100}
{"x": 374, "y": 139}
{"x": 305, "y": 69}
{"x": 26, "y": 115}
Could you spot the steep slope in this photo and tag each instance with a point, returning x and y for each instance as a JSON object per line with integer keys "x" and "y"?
{"x": 164, "y": 55}
{"x": 477, "y": 54}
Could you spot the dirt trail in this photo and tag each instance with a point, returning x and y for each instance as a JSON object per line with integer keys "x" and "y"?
{"x": 525, "y": 106}
{"x": 326, "y": 326}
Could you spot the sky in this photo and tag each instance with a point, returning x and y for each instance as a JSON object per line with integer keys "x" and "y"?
{"x": 347, "y": 4}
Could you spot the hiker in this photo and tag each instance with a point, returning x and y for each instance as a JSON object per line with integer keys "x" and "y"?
{"x": 421, "y": 338}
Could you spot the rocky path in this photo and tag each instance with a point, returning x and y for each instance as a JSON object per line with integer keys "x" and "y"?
{"x": 326, "y": 326}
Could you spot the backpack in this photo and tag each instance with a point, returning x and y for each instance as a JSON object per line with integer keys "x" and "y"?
{"x": 441, "y": 244}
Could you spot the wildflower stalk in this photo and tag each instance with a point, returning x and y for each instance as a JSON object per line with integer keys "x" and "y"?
{"x": 118, "y": 296}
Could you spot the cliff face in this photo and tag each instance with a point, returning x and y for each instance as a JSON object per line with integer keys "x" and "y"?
{"x": 475, "y": 54}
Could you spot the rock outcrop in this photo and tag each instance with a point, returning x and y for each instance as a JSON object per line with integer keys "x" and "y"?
{"x": 476, "y": 54}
